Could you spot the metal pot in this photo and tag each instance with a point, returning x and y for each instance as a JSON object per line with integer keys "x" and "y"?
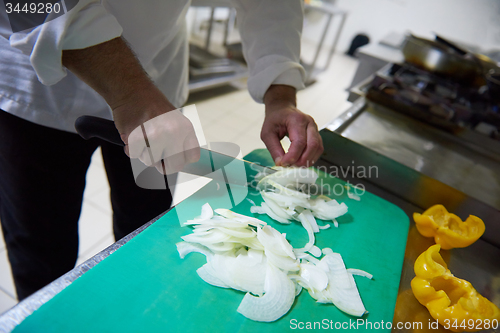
{"x": 445, "y": 61}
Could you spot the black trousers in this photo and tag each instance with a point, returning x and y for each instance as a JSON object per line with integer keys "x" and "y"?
{"x": 42, "y": 179}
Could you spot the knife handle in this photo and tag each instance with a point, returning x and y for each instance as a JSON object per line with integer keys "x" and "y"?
{"x": 94, "y": 127}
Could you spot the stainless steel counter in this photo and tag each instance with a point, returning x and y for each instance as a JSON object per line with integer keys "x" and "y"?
{"x": 419, "y": 166}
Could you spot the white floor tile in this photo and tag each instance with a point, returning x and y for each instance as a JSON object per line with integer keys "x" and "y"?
{"x": 2, "y": 242}
{"x": 96, "y": 179}
{"x": 6, "y": 302}
{"x": 212, "y": 109}
{"x": 248, "y": 142}
{"x": 93, "y": 226}
{"x": 100, "y": 245}
{"x": 101, "y": 200}
{"x": 6, "y": 281}
{"x": 217, "y": 132}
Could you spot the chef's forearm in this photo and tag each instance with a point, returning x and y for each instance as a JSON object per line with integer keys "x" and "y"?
{"x": 111, "y": 69}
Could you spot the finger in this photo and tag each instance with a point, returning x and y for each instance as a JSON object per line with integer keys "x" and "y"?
{"x": 272, "y": 140}
{"x": 297, "y": 132}
{"x": 314, "y": 147}
{"x": 191, "y": 149}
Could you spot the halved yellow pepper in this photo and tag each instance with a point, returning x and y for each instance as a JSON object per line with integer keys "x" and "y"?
{"x": 449, "y": 299}
{"x": 448, "y": 229}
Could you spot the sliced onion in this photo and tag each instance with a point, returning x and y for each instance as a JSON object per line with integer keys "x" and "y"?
{"x": 276, "y": 208}
{"x": 328, "y": 210}
{"x": 285, "y": 263}
{"x": 316, "y": 277}
{"x": 287, "y": 200}
{"x": 342, "y": 289}
{"x": 355, "y": 271}
{"x": 304, "y": 218}
{"x": 315, "y": 251}
{"x": 282, "y": 203}
{"x": 206, "y": 212}
{"x": 353, "y": 196}
{"x": 222, "y": 247}
{"x": 314, "y": 224}
{"x": 323, "y": 227}
{"x": 280, "y": 189}
{"x": 209, "y": 278}
{"x": 260, "y": 261}
{"x": 292, "y": 176}
{"x": 274, "y": 241}
{"x": 240, "y": 272}
{"x": 307, "y": 257}
{"x": 277, "y": 300}
{"x": 240, "y": 218}
{"x": 206, "y": 238}
{"x": 298, "y": 289}
{"x": 327, "y": 250}
{"x": 257, "y": 210}
{"x": 273, "y": 215}
{"x": 251, "y": 202}
{"x": 241, "y": 233}
{"x": 185, "y": 248}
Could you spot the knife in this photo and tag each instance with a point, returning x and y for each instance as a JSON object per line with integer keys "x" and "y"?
{"x": 210, "y": 160}
{"x": 94, "y": 127}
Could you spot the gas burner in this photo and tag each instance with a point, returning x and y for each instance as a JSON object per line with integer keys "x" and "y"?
{"x": 439, "y": 101}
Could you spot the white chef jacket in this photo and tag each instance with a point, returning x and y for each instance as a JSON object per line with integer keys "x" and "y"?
{"x": 35, "y": 86}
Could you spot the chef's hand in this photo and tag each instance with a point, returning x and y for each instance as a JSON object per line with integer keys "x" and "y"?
{"x": 284, "y": 119}
{"x": 166, "y": 140}
{"x": 112, "y": 70}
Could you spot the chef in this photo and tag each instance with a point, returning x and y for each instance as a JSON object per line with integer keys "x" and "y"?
{"x": 127, "y": 61}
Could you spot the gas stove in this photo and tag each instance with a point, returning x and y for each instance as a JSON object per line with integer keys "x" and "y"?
{"x": 467, "y": 111}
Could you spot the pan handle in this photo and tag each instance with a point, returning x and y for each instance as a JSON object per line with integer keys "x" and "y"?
{"x": 94, "y": 127}
{"x": 450, "y": 44}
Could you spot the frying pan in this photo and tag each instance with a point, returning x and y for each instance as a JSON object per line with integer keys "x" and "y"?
{"x": 446, "y": 60}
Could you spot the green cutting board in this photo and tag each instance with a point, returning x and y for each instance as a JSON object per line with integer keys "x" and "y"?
{"x": 145, "y": 287}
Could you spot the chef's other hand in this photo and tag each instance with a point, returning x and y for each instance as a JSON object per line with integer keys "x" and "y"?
{"x": 284, "y": 119}
{"x": 166, "y": 141}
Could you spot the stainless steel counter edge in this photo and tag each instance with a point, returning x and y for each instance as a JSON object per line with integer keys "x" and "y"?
{"x": 13, "y": 317}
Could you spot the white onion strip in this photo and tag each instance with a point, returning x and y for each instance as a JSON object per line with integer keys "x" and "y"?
{"x": 355, "y": 271}
{"x": 277, "y": 300}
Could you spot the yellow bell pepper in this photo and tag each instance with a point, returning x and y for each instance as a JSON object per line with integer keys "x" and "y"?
{"x": 409, "y": 310}
{"x": 453, "y": 302}
{"x": 448, "y": 229}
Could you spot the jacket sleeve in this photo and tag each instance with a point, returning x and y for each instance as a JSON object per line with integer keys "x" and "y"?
{"x": 270, "y": 31}
{"x": 87, "y": 24}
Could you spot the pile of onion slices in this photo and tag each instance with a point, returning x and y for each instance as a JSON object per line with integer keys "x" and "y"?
{"x": 285, "y": 199}
{"x": 246, "y": 254}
